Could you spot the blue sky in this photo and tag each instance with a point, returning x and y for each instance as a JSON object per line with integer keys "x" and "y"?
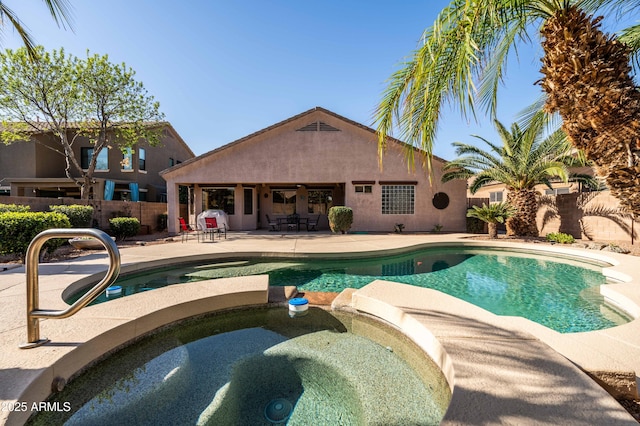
{"x": 224, "y": 69}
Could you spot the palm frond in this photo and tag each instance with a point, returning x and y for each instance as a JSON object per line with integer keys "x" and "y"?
{"x": 9, "y": 15}
{"x": 60, "y": 11}
{"x": 528, "y": 157}
{"x": 446, "y": 67}
{"x": 631, "y": 37}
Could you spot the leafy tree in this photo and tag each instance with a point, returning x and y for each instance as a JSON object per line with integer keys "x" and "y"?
{"x": 60, "y": 12}
{"x": 492, "y": 214}
{"x": 89, "y": 98}
{"x": 586, "y": 76}
{"x": 525, "y": 160}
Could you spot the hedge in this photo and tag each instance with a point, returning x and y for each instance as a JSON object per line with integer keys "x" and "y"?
{"x": 79, "y": 215}
{"x": 4, "y": 208}
{"x": 123, "y": 227}
{"x": 17, "y": 229}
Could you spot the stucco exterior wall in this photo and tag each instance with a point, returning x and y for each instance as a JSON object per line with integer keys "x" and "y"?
{"x": 284, "y": 157}
{"x": 17, "y": 159}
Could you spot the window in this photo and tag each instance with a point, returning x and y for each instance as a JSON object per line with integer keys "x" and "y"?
{"x": 172, "y": 162}
{"x": 102, "y": 162}
{"x": 248, "y": 201}
{"x": 495, "y": 197}
{"x": 319, "y": 201}
{"x": 142, "y": 155}
{"x": 556, "y": 191}
{"x": 398, "y": 199}
{"x": 284, "y": 202}
{"x": 127, "y": 159}
{"x": 366, "y": 189}
{"x": 219, "y": 199}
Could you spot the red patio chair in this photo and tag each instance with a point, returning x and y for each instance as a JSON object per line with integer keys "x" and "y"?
{"x": 186, "y": 230}
{"x": 213, "y": 228}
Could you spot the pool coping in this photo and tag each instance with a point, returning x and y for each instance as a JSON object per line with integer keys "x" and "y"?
{"x": 614, "y": 351}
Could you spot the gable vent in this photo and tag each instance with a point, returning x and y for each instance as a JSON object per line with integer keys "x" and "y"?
{"x": 324, "y": 127}
{"x": 313, "y": 127}
{"x": 318, "y": 126}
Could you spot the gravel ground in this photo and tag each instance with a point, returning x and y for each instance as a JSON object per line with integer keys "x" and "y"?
{"x": 633, "y": 250}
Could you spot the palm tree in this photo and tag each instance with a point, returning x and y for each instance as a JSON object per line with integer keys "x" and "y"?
{"x": 586, "y": 76}
{"x": 493, "y": 214}
{"x": 525, "y": 160}
{"x": 60, "y": 11}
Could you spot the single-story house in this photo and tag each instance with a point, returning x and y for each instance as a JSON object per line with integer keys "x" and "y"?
{"x": 308, "y": 163}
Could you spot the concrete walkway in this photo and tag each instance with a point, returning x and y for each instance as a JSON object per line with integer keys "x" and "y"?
{"x": 503, "y": 370}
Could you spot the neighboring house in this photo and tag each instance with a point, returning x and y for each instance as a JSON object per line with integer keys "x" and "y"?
{"x": 34, "y": 169}
{"x": 308, "y": 163}
{"x": 497, "y": 192}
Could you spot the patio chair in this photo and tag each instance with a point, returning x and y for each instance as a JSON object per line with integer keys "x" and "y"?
{"x": 293, "y": 221}
{"x": 312, "y": 223}
{"x": 212, "y": 228}
{"x": 273, "y": 223}
{"x": 186, "y": 230}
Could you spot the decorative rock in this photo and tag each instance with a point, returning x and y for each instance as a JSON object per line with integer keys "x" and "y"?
{"x": 595, "y": 246}
{"x": 615, "y": 249}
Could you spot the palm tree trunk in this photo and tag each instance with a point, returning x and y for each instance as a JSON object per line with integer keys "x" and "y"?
{"x": 523, "y": 222}
{"x": 493, "y": 230}
{"x": 587, "y": 78}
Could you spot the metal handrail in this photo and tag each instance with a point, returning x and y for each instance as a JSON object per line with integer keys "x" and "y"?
{"x": 34, "y": 313}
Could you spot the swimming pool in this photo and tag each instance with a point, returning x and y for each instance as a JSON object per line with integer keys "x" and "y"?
{"x": 259, "y": 366}
{"x": 561, "y": 294}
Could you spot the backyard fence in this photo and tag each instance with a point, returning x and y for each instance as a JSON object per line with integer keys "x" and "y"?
{"x": 588, "y": 215}
{"x": 147, "y": 213}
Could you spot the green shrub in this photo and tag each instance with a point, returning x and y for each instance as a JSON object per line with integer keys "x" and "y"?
{"x": 4, "y": 208}
{"x": 17, "y": 229}
{"x": 340, "y": 218}
{"x": 123, "y": 227}
{"x": 492, "y": 214}
{"x": 475, "y": 226}
{"x": 559, "y": 237}
{"x": 79, "y": 216}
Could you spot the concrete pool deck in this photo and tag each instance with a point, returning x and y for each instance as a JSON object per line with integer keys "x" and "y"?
{"x": 503, "y": 370}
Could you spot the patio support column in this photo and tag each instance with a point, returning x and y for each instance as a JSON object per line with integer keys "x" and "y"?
{"x": 173, "y": 207}
{"x": 238, "y": 195}
{"x": 197, "y": 203}
{"x": 302, "y": 200}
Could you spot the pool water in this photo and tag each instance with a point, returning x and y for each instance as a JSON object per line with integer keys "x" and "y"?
{"x": 260, "y": 367}
{"x": 562, "y": 295}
